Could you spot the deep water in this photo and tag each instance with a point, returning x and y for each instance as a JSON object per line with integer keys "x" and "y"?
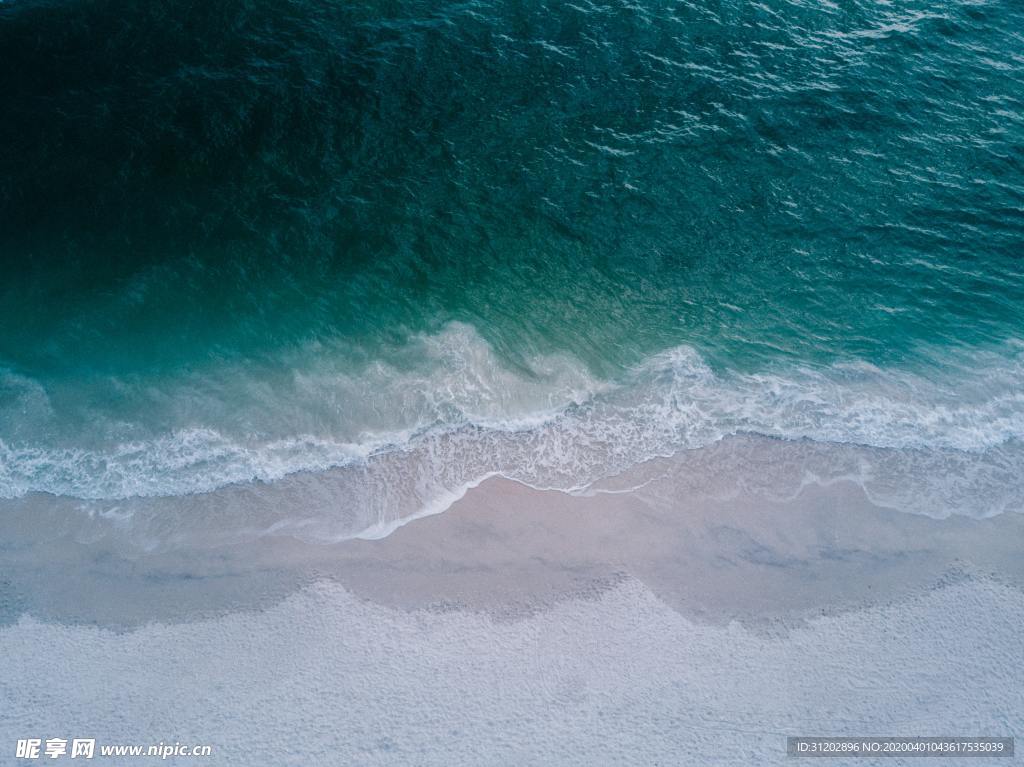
{"x": 241, "y": 239}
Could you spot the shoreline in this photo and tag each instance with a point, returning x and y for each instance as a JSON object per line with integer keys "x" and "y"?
{"x": 503, "y": 547}
{"x": 524, "y": 626}
{"x": 527, "y": 627}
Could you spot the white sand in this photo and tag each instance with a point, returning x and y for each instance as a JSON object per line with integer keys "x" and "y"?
{"x": 526, "y": 628}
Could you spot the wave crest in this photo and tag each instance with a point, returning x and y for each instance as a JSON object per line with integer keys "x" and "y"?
{"x": 448, "y": 412}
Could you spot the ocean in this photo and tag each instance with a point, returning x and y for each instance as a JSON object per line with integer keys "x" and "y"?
{"x": 413, "y": 245}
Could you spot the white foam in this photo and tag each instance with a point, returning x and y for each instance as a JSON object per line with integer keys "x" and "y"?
{"x": 443, "y": 413}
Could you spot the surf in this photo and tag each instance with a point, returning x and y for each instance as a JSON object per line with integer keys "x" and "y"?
{"x": 406, "y": 439}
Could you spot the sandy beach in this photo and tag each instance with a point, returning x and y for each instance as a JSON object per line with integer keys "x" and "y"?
{"x": 525, "y": 626}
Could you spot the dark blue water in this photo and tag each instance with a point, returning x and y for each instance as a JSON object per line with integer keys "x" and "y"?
{"x": 243, "y": 239}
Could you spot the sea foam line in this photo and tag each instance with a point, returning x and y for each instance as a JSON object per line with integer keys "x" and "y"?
{"x": 469, "y": 416}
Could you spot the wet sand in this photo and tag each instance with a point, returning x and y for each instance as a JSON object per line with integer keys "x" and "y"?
{"x": 507, "y": 549}
{"x": 525, "y": 626}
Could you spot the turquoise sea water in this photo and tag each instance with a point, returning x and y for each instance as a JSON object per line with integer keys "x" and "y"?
{"x": 244, "y": 239}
